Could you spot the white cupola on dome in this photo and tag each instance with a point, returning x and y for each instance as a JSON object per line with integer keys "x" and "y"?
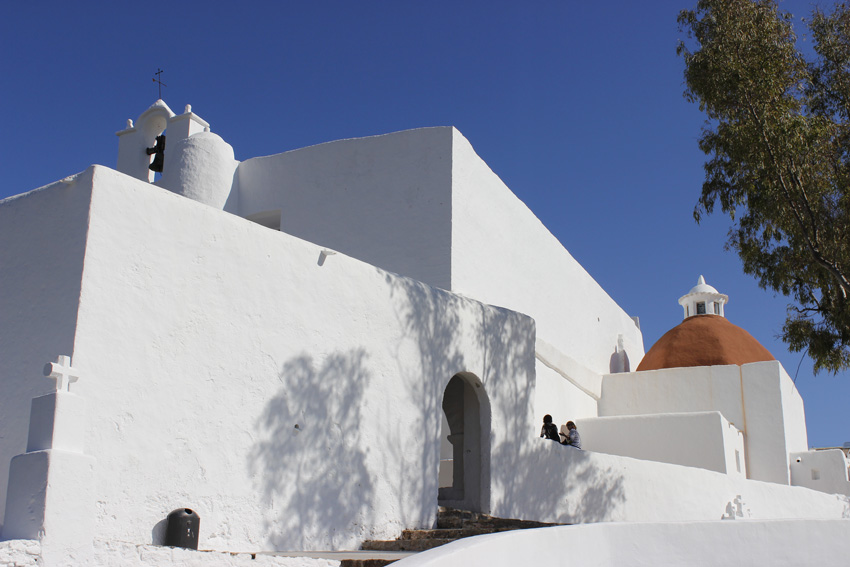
{"x": 703, "y": 299}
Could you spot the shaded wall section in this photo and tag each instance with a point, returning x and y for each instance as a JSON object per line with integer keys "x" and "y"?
{"x": 42, "y": 247}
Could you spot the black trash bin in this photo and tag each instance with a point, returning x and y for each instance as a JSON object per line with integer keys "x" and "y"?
{"x": 182, "y": 528}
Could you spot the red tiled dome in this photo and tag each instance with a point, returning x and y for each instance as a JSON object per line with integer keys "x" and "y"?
{"x": 704, "y": 340}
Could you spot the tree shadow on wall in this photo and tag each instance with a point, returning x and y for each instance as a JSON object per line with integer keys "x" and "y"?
{"x": 561, "y": 484}
{"x": 430, "y": 320}
{"x": 592, "y": 492}
{"x": 439, "y": 324}
{"x": 308, "y": 458}
{"x": 528, "y": 477}
{"x": 538, "y": 479}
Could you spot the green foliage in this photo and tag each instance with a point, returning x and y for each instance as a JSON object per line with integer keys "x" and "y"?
{"x": 778, "y": 141}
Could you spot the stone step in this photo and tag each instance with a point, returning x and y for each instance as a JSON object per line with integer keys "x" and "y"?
{"x": 404, "y": 544}
{"x": 504, "y": 524}
{"x": 449, "y": 518}
{"x": 452, "y": 525}
{"x": 347, "y": 558}
{"x": 455, "y": 533}
{"x": 366, "y": 562}
{"x": 453, "y": 515}
{"x": 449, "y": 523}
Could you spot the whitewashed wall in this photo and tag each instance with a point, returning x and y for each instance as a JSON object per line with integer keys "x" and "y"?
{"x": 385, "y": 200}
{"x": 120, "y": 554}
{"x": 561, "y": 484}
{"x": 793, "y": 410}
{"x": 700, "y": 439}
{"x": 558, "y": 397}
{"x": 293, "y": 400}
{"x": 421, "y": 203}
{"x": 826, "y": 471}
{"x": 757, "y": 398}
{"x": 503, "y": 255}
{"x": 20, "y": 553}
{"x": 42, "y": 241}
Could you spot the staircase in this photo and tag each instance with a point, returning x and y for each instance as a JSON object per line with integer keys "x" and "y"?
{"x": 451, "y": 525}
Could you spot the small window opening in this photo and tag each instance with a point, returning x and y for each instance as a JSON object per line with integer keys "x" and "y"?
{"x": 687, "y": 310}
{"x": 701, "y": 308}
{"x": 815, "y": 474}
{"x": 738, "y": 460}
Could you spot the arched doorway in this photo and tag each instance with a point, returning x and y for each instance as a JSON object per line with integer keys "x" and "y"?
{"x": 465, "y": 445}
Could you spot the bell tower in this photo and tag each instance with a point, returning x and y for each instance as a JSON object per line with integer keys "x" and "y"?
{"x": 134, "y": 142}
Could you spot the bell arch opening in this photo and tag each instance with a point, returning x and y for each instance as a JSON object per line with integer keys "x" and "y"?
{"x": 465, "y": 445}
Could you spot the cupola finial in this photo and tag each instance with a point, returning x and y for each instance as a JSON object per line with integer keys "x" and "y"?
{"x": 703, "y": 299}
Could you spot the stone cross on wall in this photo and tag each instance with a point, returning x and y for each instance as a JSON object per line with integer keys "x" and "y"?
{"x": 61, "y": 370}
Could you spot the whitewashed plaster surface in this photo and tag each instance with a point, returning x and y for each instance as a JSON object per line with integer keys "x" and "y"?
{"x": 385, "y": 199}
{"x": 758, "y": 398}
{"x": 119, "y": 554}
{"x": 699, "y": 439}
{"x": 585, "y": 380}
{"x": 560, "y": 398}
{"x": 41, "y": 262}
{"x": 557, "y": 483}
{"x": 826, "y": 471}
{"x": 565, "y": 389}
{"x": 200, "y": 167}
{"x": 421, "y": 203}
{"x": 20, "y": 553}
{"x": 792, "y": 543}
{"x": 26, "y": 553}
{"x": 503, "y": 255}
{"x": 239, "y": 372}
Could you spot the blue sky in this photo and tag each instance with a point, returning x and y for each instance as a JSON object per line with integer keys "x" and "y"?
{"x": 577, "y": 106}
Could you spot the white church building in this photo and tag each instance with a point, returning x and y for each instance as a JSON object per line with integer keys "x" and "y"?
{"x": 320, "y": 347}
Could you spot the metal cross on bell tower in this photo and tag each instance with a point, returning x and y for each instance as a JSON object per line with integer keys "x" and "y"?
{"x": 158, "y": 79}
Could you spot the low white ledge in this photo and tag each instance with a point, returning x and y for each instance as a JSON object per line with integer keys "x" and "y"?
{"x": 579, "y": 375}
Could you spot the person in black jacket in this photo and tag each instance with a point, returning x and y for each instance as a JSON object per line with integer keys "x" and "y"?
{"x": 549, "y": 429}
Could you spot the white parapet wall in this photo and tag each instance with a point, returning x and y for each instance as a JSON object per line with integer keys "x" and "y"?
{"x": 826, "y": 471}
{"x": 785, "y": 543}
{"x": 556, "y": 483}
{"x": 702, "y": 439}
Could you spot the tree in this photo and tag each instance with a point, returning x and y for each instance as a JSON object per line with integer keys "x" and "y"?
{"x": 778, "y": 139}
